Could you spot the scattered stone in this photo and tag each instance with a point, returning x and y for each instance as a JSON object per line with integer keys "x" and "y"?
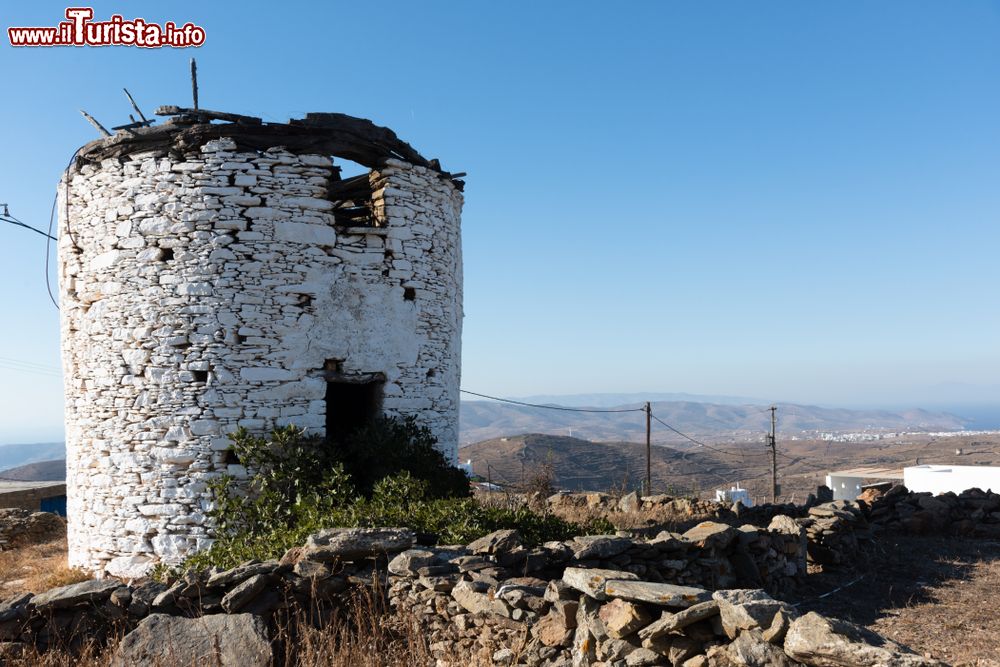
{"x": 240, "y": 596}
{"x": 671, "y": 622}
{"x": 408, "y": 562}
{"x": 751, "y": 650}
{"x": 504, "y": 656}
{"x": 711, "y": 535}
{"x": 641, "y": 657}
{"x": 622, "y": 618}
{"x": 747, "y": 609}
{"x": 496, "y": 542}
{"x": 822, "y": 642}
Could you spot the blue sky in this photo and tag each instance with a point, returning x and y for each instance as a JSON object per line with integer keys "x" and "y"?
{"x": 796, "y": 201}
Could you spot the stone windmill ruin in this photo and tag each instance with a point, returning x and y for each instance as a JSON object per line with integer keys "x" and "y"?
{"x": 217, "y": 271}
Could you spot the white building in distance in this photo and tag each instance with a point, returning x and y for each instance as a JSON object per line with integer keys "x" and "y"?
{"x": 931, "y": 478}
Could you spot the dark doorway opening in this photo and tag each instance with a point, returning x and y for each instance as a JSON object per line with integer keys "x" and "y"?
{"x": 352, "y": 403}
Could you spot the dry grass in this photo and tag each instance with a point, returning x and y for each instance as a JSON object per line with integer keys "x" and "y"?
{"x": 90, "y": 655}
{"x": 364, "y": 632}
{"x": 932, "y": 594}
{"x": 35, "y": 568}
{"x": 663, "y": 517}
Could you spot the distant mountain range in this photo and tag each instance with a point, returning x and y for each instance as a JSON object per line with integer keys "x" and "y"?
{"x": 483, "y": 420}
{"x": 42, "y": 471}
{"x": 612, "y": 400}
{"x": 16, "y": 455}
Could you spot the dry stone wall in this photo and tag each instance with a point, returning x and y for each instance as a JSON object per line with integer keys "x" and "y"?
{"x": 492, "y": 602}
{"x": 212, "y": 290}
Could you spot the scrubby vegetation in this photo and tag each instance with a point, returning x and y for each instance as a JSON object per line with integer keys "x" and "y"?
{"x": 385, "y": 474}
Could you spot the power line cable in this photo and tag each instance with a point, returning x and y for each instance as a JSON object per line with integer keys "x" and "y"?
{"x": 48, "y": 245}
{"x": 700, "y": 443}
{"x": 548, "y": 407}
{"x": 33, "y": 371}
{"x": 8, "y": 218}
{"x": 44, "y": 367}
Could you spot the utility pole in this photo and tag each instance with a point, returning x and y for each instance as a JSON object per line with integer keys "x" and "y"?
{"x": 772, "y": 441}
{"x": 649, "y": 418}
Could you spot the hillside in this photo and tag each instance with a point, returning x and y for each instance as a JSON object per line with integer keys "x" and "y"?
{"x": 41, "y": 471}
{"x": 15, "y": 455}
{"x": 483, "y": 420}
{"x": 581, "y": 465}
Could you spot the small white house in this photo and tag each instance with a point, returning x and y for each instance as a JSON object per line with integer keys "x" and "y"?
{"x": 733, "y": 495}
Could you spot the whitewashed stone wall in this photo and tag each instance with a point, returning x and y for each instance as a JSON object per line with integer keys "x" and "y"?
{"x": 206, "y": 293}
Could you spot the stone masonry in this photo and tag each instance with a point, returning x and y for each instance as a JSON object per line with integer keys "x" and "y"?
{"x": 213, "y": 288}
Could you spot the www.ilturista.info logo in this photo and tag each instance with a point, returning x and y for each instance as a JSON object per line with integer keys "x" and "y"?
{"x": 80, "y": 30}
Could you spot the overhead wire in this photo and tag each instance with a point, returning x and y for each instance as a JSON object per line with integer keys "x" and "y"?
{"x": 29, "y": 369}
{"x": 14, "y": 221}
{"x": 49, "y": 238}
{"x": 699, "y": 442}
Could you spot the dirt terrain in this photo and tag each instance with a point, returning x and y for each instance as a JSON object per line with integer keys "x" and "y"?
{"x": 686, "y": 468}
{"x": 934, "y": 595}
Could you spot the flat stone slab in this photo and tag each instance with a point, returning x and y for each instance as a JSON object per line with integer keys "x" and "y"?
{"x": 592, "y": 581}
{"x": 240, "y": 573}
{"x": 711, "y": 535}
{"x": 665, "y": 595}
{"x": 354, "y": 543}
{"x": 226, "y": 640}
{"x": 95, "y": 590}
{"x": 671, "y": 622}
{"x": 599, "y": 546}
{"x": 245, "y": 592}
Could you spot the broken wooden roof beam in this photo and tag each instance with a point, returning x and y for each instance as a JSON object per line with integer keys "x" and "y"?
{"x": 205, "y": 115}
{"x": 335, "y": 134}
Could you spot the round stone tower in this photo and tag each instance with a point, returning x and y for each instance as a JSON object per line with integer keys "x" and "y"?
{"x": 224, "y": 274}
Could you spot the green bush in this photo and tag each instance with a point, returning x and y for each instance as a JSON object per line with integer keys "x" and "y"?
{"x": 386, "y": 447}
{"x": 298, "y": 486}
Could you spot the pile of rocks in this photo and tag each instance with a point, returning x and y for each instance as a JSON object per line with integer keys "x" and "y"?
{"x": 973, "y": 512}
{"x": 592, "y": 616}
{"x": 19, "y": 527}
{"x": 836, "y": 532}
{"x": 711, "y": 555}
